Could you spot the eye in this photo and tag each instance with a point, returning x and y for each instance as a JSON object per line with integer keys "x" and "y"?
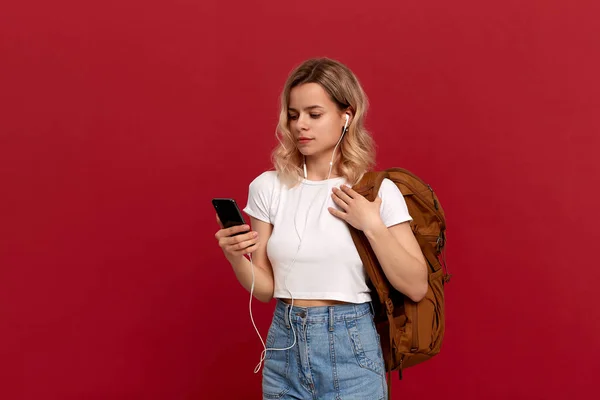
{"x": 292, "y": 117}
{"x": 315, "y": 116}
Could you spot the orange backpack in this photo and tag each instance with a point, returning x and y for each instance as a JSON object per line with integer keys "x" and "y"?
{"x": 410, "y": 332}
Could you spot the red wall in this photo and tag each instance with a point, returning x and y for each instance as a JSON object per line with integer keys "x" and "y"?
{"x": 120, "y": 120}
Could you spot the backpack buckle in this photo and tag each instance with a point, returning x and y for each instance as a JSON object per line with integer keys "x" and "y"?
{"x": 441, "y": 241}
{"x": 389, "y": 306}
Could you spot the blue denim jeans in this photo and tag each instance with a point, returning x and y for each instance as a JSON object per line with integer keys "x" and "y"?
{"x": 336, "y": 355}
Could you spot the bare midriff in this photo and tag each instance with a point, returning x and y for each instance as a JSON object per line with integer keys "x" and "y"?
{"x": 313, "y": 303}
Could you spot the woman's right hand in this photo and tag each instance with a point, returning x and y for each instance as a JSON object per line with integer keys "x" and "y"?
{"x": 236, "y": 246}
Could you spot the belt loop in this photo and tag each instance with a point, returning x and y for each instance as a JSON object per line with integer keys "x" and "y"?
{"x": 331, "y": 319}
{"x": 372, "y": 308}
{"x": 288, "y": 309}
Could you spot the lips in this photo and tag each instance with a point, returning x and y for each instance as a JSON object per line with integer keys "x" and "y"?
{"x": 304, "y": 140}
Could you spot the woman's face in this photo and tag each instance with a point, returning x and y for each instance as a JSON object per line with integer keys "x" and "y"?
{"x": 314, "y": 120}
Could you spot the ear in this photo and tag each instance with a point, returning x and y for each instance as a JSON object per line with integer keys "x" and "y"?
{"x": 350, "y": 112}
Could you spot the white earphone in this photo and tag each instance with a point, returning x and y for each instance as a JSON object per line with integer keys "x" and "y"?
{"x": 346, "y": 124}
{"x": 300, "y": 237}
{"x": 333, "y": 155}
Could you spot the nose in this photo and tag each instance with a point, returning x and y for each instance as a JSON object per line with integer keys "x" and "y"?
{"x": 302, "y": 122}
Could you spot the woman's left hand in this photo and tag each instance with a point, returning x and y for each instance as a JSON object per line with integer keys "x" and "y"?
{"x": 356, "y": 209}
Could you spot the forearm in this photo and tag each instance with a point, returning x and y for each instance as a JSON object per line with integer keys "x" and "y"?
{"x": 404, "y": 272}
{"x": 263, "y": 279}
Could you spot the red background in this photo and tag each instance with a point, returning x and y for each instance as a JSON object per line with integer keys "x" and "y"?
{"x": 120, "y": 120}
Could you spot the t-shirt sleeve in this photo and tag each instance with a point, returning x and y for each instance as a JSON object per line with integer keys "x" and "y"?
{"x": 259, "y": 197}
{"x": 393, "y": 206}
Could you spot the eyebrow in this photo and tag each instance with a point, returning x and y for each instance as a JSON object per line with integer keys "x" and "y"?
{"x": 306, "y": 108}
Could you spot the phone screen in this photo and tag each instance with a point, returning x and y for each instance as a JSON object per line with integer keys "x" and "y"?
{"x": 228, "y": 212}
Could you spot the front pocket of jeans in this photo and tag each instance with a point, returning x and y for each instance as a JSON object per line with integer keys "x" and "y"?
{"x": 278, "y": 337}
{"x": 365, "y": 346}
{"x": 275, "y": 370}
{"x": 270, "y": 340}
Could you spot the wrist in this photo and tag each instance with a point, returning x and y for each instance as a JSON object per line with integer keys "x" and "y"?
{"x": 233, "y": 258}
{"x": 375, "y": 230}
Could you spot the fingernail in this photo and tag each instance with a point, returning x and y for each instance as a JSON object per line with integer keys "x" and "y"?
{"x": 255, "y": 234}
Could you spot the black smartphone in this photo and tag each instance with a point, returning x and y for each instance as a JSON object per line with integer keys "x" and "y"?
{"x": 228, "y": 212}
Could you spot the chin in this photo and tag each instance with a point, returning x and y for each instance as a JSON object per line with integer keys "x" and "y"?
{"x": 305, "y": 152}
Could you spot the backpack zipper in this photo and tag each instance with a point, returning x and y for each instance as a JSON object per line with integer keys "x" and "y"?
{"x": 435, "y": 203}
{"x": 415, "y": 341}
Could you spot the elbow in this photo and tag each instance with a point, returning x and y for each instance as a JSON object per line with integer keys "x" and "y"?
{"x": 418, "y": 294}
{"x": 264, "y": 297}
{"x": 265, "y": 290}
{"x": 419, "y": 290}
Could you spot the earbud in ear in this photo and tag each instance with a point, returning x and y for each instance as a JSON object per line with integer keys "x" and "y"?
{"x": 346, "y": 124}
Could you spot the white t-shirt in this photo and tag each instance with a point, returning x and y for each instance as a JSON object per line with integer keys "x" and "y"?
{"x": 311, "y": 251}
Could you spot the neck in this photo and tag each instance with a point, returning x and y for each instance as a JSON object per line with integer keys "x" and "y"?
{"x": 318, "y": 170}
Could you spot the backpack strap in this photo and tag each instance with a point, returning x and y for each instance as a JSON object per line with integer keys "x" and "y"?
{"x": 369, "y": 184}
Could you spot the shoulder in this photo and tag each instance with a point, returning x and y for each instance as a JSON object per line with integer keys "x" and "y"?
{"x": 394, "y": 209}
{"x": 265, "y": 182}
{"x": 388, "y": 187}
{"x": 266, "y": 178}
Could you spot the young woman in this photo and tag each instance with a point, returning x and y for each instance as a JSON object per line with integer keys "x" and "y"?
{"x": 322, "y": 343}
